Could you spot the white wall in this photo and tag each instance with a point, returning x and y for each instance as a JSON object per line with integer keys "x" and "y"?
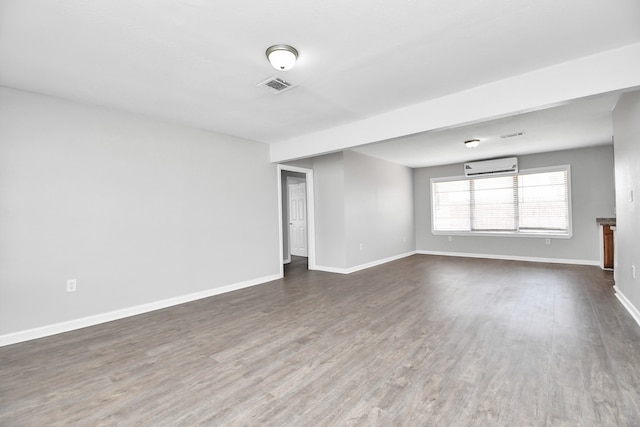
{"x": 136, "y": 210}
{"x": 592, "y": 192}
{"x": 626, "y": 129}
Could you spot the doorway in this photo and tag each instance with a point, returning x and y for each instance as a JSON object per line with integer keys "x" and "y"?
{"x": 297, "y": 228}
{"x": 297, "y": 215}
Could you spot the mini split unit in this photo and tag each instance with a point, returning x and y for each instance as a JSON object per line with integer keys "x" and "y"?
{"x": 492, "y": 167}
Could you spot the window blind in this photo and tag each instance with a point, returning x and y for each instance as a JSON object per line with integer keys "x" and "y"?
{"x": 525, "y": 203}
{"x": 544, "y": 201}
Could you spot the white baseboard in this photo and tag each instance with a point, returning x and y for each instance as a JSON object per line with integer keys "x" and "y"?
{"x": 514, "y": 258}
{"x": 57, "y": 328}
{"x": 633, "y": 311}
{"x": 363, "y": 266}
{"x": 331, "y": 269}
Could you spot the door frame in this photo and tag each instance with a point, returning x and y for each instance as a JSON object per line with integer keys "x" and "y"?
{"x": 311, "y": 226}
{"x": 292, "y": 181}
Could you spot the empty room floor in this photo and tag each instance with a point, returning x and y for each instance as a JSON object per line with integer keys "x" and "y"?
{"x": 421, "y": 341}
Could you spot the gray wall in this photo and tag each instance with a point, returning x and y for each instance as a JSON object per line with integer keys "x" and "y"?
{"x": 378, "y": 209}
{"x": 592, "y": 191}
{"x": 361, "y": 200}
{"x": 626, "y": 129}
{"x": 328, "y": 176}
{"x": 136, "y": 210}
{"x": 301, "y": 163}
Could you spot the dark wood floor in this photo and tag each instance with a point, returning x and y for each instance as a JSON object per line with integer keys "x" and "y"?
{"x": 421, "y": 341}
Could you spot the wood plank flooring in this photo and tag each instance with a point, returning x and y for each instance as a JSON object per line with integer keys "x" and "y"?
{"x": 422, "y": 341}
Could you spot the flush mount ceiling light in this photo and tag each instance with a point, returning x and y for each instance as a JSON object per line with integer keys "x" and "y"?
{"x": 472, "y": 143}
{"x": 282, "y": 57}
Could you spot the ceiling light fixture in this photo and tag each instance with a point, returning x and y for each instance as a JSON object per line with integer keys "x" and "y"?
{"x": 282, "y": 57}
{"x": 472, "y": 143}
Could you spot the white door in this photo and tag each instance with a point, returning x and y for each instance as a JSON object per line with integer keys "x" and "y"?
{"x": 298, "y": 219}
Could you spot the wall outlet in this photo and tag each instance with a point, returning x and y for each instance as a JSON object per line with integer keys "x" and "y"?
{"x": 71, "y": 285}
{"x": 630, "y": 196}
{"x": 404, "y": 238}
{"x": 547, "y": 241}
{"x": 450, "y": 238}
{"x": 361, "y": 246}
{"x": 633, "y": 271}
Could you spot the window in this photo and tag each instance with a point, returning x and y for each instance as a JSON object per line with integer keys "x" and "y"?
{"x": 534, "y": 202}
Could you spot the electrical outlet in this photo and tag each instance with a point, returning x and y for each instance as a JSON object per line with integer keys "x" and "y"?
{"x": 404, "y": 239}
{"x": 630, "y": 196}
{"x": 71, "y": 285}
{"x": 361, "y": 246}
{"x": 633, "y": 271}
{"x": 450, "y": 238}
{"x": 547, "y": 241}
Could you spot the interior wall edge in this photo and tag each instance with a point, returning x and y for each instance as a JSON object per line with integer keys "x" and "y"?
{"x": 633, "y": 311}
{"x": 363, "y": 266}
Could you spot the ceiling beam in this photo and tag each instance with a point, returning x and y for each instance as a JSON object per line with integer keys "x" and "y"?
{"x": 616, "y": 69}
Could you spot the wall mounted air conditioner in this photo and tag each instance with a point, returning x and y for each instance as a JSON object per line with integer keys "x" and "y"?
{"x": 492, "y": 167}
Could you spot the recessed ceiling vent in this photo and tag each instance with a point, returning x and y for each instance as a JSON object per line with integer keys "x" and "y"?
{"x": 512, "y": 135}
{"x": 276, "y": 85}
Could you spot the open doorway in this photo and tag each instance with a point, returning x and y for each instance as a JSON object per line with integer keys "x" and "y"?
{"x": 296, "y": 211}
{"x": 297, "y": 238}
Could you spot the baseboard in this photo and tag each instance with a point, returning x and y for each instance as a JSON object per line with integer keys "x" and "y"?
{"x": 57, "y": 328}
{"x": 331, "y": 269}
{"x": 363, "y": 266}
{"x": 514, "y": 258}
{"x": 633, "y": 311}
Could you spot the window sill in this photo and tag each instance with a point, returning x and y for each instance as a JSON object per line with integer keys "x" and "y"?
{"x": 541, "y": 235}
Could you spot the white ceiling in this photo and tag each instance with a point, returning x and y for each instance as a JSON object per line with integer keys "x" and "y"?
{"x": 581, "y": 123}
{"x": 197, "y": 62}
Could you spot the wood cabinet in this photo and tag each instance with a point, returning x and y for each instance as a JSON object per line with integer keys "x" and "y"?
{"x": 607, "y": 238}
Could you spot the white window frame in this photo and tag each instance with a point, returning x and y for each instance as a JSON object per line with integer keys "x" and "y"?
{"x": 542, "y": 234}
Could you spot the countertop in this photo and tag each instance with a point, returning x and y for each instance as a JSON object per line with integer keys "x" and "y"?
{"x": 606, "y": 221}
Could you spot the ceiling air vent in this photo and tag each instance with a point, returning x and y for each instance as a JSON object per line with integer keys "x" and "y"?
{"x": 512, "y": 135}
{"x": 275, "y": 85}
